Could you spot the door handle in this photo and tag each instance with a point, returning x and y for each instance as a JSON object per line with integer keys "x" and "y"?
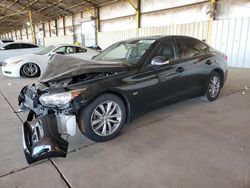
{"x": 180, "y": 69}
{"x": 208, "y": 62}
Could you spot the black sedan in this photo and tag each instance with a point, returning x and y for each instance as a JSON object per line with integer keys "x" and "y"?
{"x": 124, "y": 81}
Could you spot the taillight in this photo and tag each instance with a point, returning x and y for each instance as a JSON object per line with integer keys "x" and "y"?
{"x": 225, "y": 57}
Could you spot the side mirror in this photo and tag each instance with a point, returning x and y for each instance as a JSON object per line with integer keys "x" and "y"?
{"x": 51, "y": 53}
{"x": 160, "y": 60}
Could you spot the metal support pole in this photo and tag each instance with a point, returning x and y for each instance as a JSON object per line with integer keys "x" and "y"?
{"x": 21, "y": 34}
{"x": 211, "y": 20}
{"x": 56, "y": 26}
{"x": 49, "y": 29}
{"x": 27, "y": 33}
{"x": 64, "y": 29}
{"x": 73, "y": 29}
{"x": 97, "y": 24}
{"x": 16, "y": 34}
{"x": 138, "y": 12}
{"x": 138, "y": 15}
{"x": 32, "y": 28}
{"x": 44, "y": 32}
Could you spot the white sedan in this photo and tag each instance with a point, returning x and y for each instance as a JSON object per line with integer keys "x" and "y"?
{"x": 13, "y": 49}
{"x": 33, "y": 65}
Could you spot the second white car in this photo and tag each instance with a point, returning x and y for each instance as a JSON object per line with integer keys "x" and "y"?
{"x": 34, "y": 64}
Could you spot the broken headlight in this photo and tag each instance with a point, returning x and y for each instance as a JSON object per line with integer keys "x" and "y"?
{"x": 58, "y": 99}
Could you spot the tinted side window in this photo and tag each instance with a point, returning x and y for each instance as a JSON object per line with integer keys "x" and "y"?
{"x": 60, "y": 50}
{"x": 70, "y": 50}
{"x": 28, "y": 46}
{"x": 12, "y": 46}
{"x": 80, "y": 50}
{"x": 189, "y": 47}
{"x": 200, "y": 45}
{"x": 166, "y": 49}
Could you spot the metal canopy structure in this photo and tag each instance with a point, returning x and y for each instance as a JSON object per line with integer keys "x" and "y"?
{"x": 15, "y": 13}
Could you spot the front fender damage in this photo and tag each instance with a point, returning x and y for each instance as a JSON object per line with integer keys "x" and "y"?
{"x": 45, "y": 131}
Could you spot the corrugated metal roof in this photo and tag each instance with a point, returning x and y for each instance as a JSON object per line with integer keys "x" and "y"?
{"x": 14, "y": 13}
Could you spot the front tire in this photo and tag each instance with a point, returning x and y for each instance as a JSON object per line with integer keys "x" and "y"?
{"x": 213, "y": 86}
{"x": 30, "y": 70}
{"x": 103, "y": 118}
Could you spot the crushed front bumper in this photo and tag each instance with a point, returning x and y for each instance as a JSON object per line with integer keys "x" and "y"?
{"x": 41, "y": 139}
{"x": 46, "y": 129}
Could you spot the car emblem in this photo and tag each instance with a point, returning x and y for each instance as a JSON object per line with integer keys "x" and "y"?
{"x": 135, "y": 93}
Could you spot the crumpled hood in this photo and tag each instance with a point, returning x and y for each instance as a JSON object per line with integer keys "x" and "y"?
{"x": 29, "y": 56}
{"x": 61, "y": 67}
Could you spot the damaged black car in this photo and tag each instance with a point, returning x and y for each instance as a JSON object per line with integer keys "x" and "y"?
{"x": 124, "y": 81}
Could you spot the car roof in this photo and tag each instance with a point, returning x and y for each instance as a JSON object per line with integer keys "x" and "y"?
{"x": 58, "y": 45}
{"x": 158, "y": 37}
{"x": 18, "y": 43}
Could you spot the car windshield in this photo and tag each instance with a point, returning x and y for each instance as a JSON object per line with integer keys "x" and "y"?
{"x": 125, "y": 52}
{"x": 46, "y": 50}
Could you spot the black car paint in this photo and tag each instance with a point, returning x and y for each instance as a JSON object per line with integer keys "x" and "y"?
{"x": 142, "y": 87}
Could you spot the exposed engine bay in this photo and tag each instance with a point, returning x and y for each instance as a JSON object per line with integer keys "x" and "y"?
{"x": 80, "y": 78}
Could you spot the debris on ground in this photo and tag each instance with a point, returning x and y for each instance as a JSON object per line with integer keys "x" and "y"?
{"x": 242, "y": 148}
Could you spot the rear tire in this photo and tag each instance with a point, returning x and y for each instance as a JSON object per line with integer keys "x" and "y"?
{"x": 103, "y": 118}
{"x": 30, "y": 70}
{"x": 213, "y": 86}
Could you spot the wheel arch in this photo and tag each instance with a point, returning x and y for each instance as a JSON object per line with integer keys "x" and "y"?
{"x": 221, "y": 73}
{"x": 119, "y": 94}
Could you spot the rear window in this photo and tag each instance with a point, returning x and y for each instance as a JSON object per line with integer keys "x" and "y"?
{"x": 80, "y": 50}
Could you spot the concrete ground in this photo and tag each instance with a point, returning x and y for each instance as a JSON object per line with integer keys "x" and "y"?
{"x": 189, "y": 144}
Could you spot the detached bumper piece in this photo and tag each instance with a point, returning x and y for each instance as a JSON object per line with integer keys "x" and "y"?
{"x": 41, "y": 139}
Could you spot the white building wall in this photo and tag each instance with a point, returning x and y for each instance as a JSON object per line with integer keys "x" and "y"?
{"x": 60, "y": 27}
{"x": 233, "y": 9}
{"x": 232, "y": 37}
{"x": 68, "y": 39}
{"x": 117, "y": 16}
{"x": 152, "y": 5}
{"x": 121, "y": 15}
{"x": 196, "y": 13}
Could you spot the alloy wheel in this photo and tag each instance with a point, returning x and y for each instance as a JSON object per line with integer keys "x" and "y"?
{"x": 106, "y": 118}
{"x": 30, "y": 69}
{"x": 214, "y": 86}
